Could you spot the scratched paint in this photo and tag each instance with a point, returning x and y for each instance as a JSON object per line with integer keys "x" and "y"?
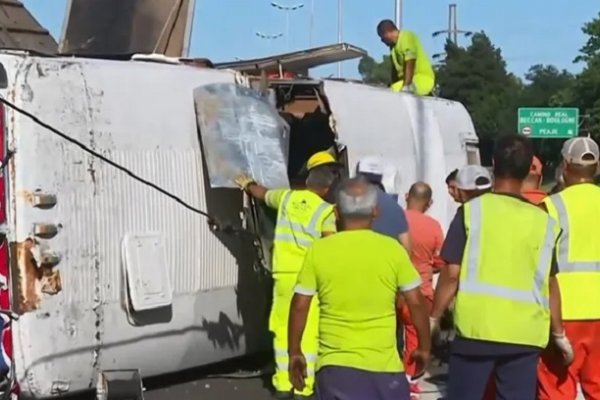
{"x": 78, "y": 302}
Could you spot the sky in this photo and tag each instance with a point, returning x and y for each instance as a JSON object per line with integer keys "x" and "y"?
{"x": 528, "y": 31}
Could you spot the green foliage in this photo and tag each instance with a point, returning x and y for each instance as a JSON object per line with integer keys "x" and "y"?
{"x": 547, "y": 86}
{"x": 375, "y": 73}
{"x": 476, "y": 76}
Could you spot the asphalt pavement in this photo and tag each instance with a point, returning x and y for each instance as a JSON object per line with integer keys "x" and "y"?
{"x": 248, "y": 379}
{"x": 247, "y": 386}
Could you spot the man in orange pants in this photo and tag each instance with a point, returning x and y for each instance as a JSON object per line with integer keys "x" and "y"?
{"x": 426, "y": 238}
{"x": 577, "y": 208}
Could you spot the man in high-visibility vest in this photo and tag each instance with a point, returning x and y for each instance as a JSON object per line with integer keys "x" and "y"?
{"x": 303, "y": 216}
{"x": 500, "y": 267}
{"x": 411, "y": 69}
{"x": 577, "y": 209}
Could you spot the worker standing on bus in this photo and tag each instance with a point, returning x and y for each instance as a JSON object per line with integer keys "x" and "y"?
{"x": 577, "y": 209}
{"x": 411, "y": 69}
{"x": 500, "y": 267}
{"x": 303, "y": 216}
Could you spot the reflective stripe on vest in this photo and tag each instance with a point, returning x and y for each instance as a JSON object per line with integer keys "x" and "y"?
{"x": 312, "y": 229}
{"x": 471, "y": 285}
{"x": 564, "y": 265}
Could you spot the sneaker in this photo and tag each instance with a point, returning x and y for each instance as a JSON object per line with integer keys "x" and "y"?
{"x": 415, "y": 391}
{"x": 415, "y": 388}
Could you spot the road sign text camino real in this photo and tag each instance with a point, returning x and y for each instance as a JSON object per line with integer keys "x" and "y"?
{"x": 545, "y": 123}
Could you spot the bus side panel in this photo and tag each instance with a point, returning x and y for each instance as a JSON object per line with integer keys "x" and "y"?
{"x": 140, "y": 115}
{"x": 422, "y": 137}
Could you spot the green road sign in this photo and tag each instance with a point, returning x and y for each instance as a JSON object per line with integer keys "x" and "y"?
{"x": 546, "y": 123}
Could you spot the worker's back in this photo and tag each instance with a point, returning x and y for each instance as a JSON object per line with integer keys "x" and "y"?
{"x": 300, "y": 219}
{"x": 409, "y": 41}
{"x": 358, "y": 274}
{"x": 506, "y": 267}
{"x": 426, "y": 239}
{"x": 391, "y": 220}
{"x": 577, "y": 208}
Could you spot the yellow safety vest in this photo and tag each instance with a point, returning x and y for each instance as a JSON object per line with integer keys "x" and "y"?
{"x": 577, "y": 209}
{"x": 503, "y": 291}
{"x": 299, "y": 221}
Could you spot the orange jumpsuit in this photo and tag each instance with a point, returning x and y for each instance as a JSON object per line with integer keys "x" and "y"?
{"x": 557, "y": 382}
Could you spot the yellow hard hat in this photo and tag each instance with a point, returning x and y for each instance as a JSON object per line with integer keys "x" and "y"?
{"x": 320, "y": 158}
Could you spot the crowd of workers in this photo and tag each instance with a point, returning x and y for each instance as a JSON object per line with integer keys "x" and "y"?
{"x": 519, "y": 272}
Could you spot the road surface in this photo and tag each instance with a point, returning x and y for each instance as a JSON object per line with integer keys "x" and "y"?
{"x": 247, "y": 385}
{"x": 250, "y": 379}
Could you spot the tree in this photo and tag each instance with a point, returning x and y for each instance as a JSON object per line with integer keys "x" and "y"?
{"x": 376, "y": 73}
{"x": 546, "y": 86}
{"x": 591, "y": 49}
{"x": 477, "y": 77}
{"x": 586, "y": 89}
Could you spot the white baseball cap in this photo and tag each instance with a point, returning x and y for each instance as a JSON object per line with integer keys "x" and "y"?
{"x": 371, "y": 166}
{"x": 473, "y": 177}
{"x": 581, "y": 151}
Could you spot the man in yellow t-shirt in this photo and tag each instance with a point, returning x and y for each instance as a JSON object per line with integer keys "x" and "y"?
{"x": 357, "y": 275}
{"x": 411, "y": 69}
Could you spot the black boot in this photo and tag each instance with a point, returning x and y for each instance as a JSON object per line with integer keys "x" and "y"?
{"x": 283, "y": 396}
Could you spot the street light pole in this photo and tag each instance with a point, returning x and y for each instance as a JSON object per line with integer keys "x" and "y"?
{"x": 287, "y": 10}
{"x": 398, "y": 13}
{"x": 340, "y": 8}
{"x": 271, "y": 38}
{"x": 312, "y": 23}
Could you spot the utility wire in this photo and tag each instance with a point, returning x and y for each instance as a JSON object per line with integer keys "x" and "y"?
{"x": 85, "y": 148}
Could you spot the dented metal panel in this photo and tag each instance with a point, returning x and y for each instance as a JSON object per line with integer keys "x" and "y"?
{"x": 68, "y": 281}
{"x": 241, "y": 133}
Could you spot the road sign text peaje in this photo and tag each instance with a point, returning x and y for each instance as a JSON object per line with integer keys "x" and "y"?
{"x": 543, "y": 123}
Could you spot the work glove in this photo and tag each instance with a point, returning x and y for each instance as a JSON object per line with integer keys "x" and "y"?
{"x": 243, "y": 181}
{"x": 562, "y": 342}
{"x": 409, "y": 88}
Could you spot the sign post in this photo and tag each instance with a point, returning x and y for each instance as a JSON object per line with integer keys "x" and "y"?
{"x": 549, "y": 123}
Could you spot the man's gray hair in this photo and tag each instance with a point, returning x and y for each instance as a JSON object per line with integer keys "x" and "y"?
{"x": 356, "y": 199}
{"x": 321, "y": 177}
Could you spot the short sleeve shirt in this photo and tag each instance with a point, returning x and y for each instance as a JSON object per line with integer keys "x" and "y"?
{"x": 274, "y": 199}
{"x": 452, "y": 252}
{"x": 356, "y": 276}
{"x": 409, "y": 47}
{"x": 426, "y": 238}
{"x": 391, "y": 220}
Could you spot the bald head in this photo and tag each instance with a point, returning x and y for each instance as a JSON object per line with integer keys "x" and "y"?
{"x": 419, "y": 197}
